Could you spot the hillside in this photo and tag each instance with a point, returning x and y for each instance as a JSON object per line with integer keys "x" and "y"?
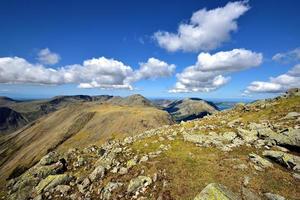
{"x": 248, "y": 152}
{"x": 6, "y": 100}
{"x": 190, "y": 108}
{"x": 10, "y": 120}
{"x": 34, "y": 109}
{"x": 77, "y": 125}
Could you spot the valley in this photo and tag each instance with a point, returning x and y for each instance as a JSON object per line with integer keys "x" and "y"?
{"x": 248, "y": 152}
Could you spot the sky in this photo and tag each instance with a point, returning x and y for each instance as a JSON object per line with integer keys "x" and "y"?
{"x": 191, "y": 48}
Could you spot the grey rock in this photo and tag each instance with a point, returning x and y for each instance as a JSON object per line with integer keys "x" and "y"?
{"x": 246, "y": 181}
{"x": 106, "y": 192}
{"x": 52, "y": 181}
{"x": 50, "y": 158}
{"x": 249, "y": 195}
{"x": 138, "y": 183}
{"x": 217, "y": 192}
{"x": 144, "y": 158}
{"x": 296, "y": 176}
{"x": 229, "y": 136}
{"x": 132, "y": 162}
{"x": 80, "y": 162}
{"x": 259, "y": 161}
{"x": 97, "y": 173}
{"x": 271, "y": 196}
{"x": 290, "y": 161}
{"x": 38, "y": 197}
{"x": 123, "y": 170}
{"x": 292, "y": 115}
{"x": 290, "y": 138}
{"x": 63, "y": 189}
{"x": 248, "y": 136}
{"x": 86, "y": 182}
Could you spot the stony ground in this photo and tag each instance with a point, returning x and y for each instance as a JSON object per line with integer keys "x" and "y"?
{"x": 249, "y": 152}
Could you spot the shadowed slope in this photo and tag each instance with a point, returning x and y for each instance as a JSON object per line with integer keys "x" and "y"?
{"x": 77, "y": 125}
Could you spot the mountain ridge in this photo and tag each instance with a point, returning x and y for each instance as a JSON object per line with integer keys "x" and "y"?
{"x": 248, "y": 152}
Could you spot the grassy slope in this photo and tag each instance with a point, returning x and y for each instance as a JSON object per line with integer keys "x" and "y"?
{"x": 73, "y": 126}
{"x": 190, "y": 168}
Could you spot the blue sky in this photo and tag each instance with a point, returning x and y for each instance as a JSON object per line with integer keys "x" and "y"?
{"x": 71, "y": 32}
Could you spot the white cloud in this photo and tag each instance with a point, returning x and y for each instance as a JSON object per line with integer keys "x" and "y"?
{"x": 45, "y": 56}
{"x": 278, "y": 84}
{"x": 286, "y": 57}
{"x": 206, "y": 30}
{"x": 93, "y": 73}
{"x": 154, "y": 68}
{"x": 209, "y": 72}
{"x": 235, "y": 60}
{"x": 18, "y": 70}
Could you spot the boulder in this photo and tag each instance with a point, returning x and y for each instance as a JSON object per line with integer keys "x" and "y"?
{"x": 144, "y": 158}
{"x": 52, "y": 181}
{"x": 194, "y": 138}
{"x": 63, "y": 189}
{"x": 97, "y": 173}
{"x": 291, "y": 137}
{"x": 138, "y": 183}
{"x": 106, "y": 192}
{"x": 289, "y": 161}
{"x": 46, "y": 170}
{"x": 271, "y": 196}
{"x": 248, "y": 136}
{"x": 83, "y": 186}
{"x": 292, "y": 115}
{"x": 249, "y": 195}
{"x": 229, "y": 136}
{"x": 132, "y": 162}
{"x": 50, "y": 158}
{"x": 259, "y": 161}
{"x": 217, "y": 192}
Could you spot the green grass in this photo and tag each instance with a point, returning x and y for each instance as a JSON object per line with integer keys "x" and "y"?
{"x": 190, "y": 168}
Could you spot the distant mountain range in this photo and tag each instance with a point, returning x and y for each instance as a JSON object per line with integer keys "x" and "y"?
{"x": 16, "y": 114}
{"x": 30, "y": 129}
{"x": 187, "y": 109}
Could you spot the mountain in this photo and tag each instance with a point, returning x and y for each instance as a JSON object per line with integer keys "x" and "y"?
{"x": 32, "y": 110}
{"x": 133, "y": 100}
{"x": 6, "y": 100}
{"x": 10, "y": 119}
{"x": 76, "y": 125}
{"x": 190, "y": 108}
{"x": 248, "y": 152}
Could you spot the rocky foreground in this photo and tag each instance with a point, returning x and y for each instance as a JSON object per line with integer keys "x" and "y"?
{"x": 249, "y": 152}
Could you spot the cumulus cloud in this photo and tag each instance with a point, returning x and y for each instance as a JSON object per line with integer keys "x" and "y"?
{"x": 286, "y": 57}
{"x": 209, "y": 72}
{"x": 93, "y": 73}
{"x": 45, "y": 56}
{"x": 154, "y": 68}
{"x": 235, "y": 60}
{"x": 206, "y": 30}
{"x": 277, "y": 84}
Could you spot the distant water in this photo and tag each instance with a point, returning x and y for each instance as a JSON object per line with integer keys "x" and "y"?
{"x": 222, "y": 104}
{"x": 225, "y": 105}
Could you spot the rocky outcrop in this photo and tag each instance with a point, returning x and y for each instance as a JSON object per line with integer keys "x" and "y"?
{"x": 259, "y": 161}
{"x": 139, "y": 183}
{"x": 52, "y": 181}
{"x": 170, "y": 162}
{"x": 271, "y": 196}
{"x": 216, "y": 191}
{"x": 289, "y": 161}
